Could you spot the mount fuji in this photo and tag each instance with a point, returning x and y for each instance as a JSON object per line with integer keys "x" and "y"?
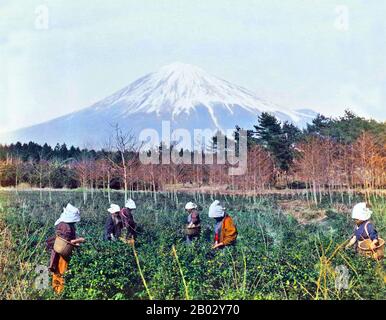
{"x": 183, "y": 94}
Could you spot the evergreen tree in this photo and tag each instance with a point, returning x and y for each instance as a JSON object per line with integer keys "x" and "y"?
{"x": 346, "y": 129}
{"x": 63, "y": 152}
{"x": 277, "y": 139}
{"x": 46, "y": 152}
{"x": 320, "y": 126}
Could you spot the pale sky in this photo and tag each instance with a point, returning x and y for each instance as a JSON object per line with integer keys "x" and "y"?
{"x": 59, "y": 56}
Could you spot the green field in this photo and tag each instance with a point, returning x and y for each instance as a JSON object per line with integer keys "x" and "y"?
{"x": 275, "y": 257}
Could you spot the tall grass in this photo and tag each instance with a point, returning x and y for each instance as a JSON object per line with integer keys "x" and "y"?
{"x": 275, "y": 256}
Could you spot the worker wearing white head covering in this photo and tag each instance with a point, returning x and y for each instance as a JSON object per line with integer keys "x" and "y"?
{"x": 127, "y": 218}
{"x": 225, "y": 229}
{"x": 364, "y": 228}
{"x": 217, "y": 212}
{"x": 70, "y": 214}
{"x": 193, "y": 227}
{"x": 65, "y": 229}
{"x": 113, "y": 225}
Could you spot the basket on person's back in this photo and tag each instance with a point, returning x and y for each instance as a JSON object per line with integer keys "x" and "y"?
{"x": 377, "y": 253}
{"x": 192, "y": 231}
{"x": 63, "y": 247}
{"x": 365, "y": 237}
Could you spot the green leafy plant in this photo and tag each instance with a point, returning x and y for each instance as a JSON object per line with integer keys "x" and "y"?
{"x": 275, "y": 256}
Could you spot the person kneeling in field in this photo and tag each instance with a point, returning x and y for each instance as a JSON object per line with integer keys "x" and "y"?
{"x": 194, "y": 224}
{"x": 364, "y": 228}
{"x": 127, "y": 218}
{"x": 114, "y": 225}
{"x": 225, "y": 229}
{"x": 65, "y": 229}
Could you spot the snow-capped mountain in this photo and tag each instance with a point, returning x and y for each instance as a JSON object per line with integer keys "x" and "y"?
{"x": 183, "y": 94}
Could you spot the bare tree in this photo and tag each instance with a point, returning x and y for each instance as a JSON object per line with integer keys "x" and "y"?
{"x": 369, "y": 163}
{"x": 41, "y": 168}
{"x": 82, "y": 168}
{"x": 311, "y": 164}
{"x": 105, "y": 172}
{"x": 127, "y": 147}
{"x": 3, "y": 166}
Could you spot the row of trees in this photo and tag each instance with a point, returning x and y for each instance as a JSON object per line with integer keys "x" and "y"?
{"x": 320, "y": 158}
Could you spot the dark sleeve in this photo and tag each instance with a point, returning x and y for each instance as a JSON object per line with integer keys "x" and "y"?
{"x": 131, "y": 220}
{"x": 109, "y": 227}
{"x": 64, "y": 231}
{"x": 50, "y": 243}
{"x": 54, "y": 260}
{"x": 131, "y": 227}
{"x": 373, "y": 234}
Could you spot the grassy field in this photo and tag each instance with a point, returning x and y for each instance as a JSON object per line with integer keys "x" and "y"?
{"x": 286, "y": 249}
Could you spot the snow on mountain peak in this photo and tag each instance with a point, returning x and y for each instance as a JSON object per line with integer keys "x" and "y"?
{"x": 180, "y": 87}
{"x": 186, "y": 95}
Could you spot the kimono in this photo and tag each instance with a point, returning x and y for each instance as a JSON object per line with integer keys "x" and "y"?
{"x": 364, "y": 231}
{"x": 113, "y": 227}
{"x": 225, "y": 231}
{"x": 128, "y": 223}
{"x": 193, "y": 220}
{"x": 58, "y": 265}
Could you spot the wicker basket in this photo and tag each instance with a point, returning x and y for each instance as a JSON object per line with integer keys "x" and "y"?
{"x": 130, "y": 241}
{"x": 192, "y": 231}
{"x": 63, "y": 247}
{"x": 377, "y": 253}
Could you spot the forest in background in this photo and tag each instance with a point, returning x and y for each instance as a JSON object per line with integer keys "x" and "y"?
{"x": 342, "y": 153}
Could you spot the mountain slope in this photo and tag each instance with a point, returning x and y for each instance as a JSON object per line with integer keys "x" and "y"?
{"x": 185, "y": 95}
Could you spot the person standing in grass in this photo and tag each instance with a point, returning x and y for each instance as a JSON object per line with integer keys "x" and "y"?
{"x": 114, "y": 225}
{"x": 64, "y": 228}
{"x": 194, "y": 224}
{"x": 225, "y": 229}
{"x": 364, "y": 228}
{"x": 127, "y": 218}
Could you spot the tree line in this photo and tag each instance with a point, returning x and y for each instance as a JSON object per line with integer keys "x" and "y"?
{"x": 330, "y": 153}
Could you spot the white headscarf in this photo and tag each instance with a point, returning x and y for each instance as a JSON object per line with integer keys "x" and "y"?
{"x": 114, "y": 208}
{"x": 130, "y": 204}
{"x": 361, "y": 212}
{"x": 190, "y": 205}
{"x": 70, "y": 214}
{"x": 216, "y": 210}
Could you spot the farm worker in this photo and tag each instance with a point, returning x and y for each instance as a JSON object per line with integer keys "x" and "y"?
{"x": 364, "y": 228}
{"x": 194, "y": 224}
{"x": 225, "y": 229}
{"x": 113, "y": 226}
{"x": 127, "y": 218}
{"x": 64, "y": 228}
